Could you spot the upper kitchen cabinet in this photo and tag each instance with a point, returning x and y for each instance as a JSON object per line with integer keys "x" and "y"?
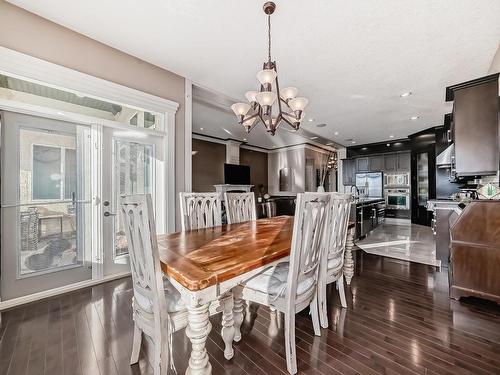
{"x": 376, "y": 163}
{"x": 349, "y": 172}
{"x": 404, "y": 162}
{"x": 475, "y": 126}
{"x": 391, "y": 162}
{"x": 363, "y": 164}
{"x": 397, "y": 162}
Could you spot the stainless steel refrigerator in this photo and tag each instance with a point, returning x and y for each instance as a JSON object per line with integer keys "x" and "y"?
{"x": 370, "y": 184}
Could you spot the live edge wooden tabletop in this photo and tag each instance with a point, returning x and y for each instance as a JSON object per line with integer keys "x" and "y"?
{"x": 201, "y": 258}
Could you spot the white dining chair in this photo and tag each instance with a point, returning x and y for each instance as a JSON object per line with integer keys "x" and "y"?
{"x": 290, "y": 287}
{"x": 240, "y": 207}
{"x": 200, "y": 210}
{"x": 158, "y": 310}
{"x": 331, "y": 270}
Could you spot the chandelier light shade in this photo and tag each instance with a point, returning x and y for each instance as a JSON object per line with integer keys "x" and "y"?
{"x": 298, "y": 104}
{"x": 250, "y": 95}
{"x": 289, "y": 93}
{"x": 240, "y": 109}
{"x": 266, "y": 76}
{"x": 266, "y": 98}
{"x": 270, "y": 105}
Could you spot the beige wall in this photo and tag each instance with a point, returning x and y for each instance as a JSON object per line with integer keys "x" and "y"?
{"x": 257, "y": 161}
{"x": 30, "y": 34}
{"x": 208, "y": 165}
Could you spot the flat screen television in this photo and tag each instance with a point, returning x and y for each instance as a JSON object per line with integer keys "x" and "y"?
{"x": 235, "y": 174}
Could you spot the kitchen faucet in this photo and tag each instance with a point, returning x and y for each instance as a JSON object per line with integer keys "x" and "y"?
{"x": 357, "y": 191}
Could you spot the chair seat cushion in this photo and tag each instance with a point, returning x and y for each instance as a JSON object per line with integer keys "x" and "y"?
{"x": 172, "y": 296}
{"x": 273, "y": 281}
{"x": 334, "y": 262}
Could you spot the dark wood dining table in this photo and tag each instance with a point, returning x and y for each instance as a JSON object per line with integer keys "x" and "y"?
{"x": 205, "y": 264}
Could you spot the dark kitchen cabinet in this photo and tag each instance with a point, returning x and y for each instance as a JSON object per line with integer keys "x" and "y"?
{"x": 376, "y": 163}
{"x": 475, "y": 126}
{"x": 362, "y": 165}
{"x": 404, "y": 162}
{"x": 391, "y": 162}
{"x": 349, "y": 172}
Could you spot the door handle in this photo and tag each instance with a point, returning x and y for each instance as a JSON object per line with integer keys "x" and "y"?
{"x": 106, "y": 214}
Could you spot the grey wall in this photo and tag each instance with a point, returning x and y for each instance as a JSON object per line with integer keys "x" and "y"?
{"x": 33, "y": 35}
{"x": 294, "y": 159}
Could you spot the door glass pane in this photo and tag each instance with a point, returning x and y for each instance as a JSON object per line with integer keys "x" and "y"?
{"x": 46, "y": 172}
{"x": 133, "y": 169}
{"x": 423, "y": 178}
{"x": 51, "y": 224}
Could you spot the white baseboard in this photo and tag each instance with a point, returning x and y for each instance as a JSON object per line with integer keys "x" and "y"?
{"x": 4, "y": 305}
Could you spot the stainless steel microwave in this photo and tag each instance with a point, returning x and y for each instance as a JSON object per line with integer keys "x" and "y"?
{"x": 397, "y": 179}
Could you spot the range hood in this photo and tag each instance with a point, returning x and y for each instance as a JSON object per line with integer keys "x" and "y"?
{"x": 444, "y": 159}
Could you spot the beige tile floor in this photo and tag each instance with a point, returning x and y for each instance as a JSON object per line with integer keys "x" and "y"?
{"x": 410, "y": 242}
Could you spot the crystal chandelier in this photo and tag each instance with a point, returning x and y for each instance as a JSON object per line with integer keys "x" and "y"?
{"x": 270, "y": 105}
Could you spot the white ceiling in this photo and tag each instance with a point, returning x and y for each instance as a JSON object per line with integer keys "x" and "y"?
{"x": 352, "y": 59}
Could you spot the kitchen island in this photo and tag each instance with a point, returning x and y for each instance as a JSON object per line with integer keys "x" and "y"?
{"x": 367, "y": 213}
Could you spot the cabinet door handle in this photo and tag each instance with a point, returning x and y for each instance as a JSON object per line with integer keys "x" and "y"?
{"x": 448, "y": 135}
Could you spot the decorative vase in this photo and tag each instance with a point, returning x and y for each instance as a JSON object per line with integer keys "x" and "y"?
{"x": 321, "y": 189}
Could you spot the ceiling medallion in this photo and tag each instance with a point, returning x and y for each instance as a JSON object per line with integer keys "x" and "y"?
{"x": 270, "y": 105}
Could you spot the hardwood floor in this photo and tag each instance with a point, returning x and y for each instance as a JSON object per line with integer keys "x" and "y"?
{"x": 399, "y": 321}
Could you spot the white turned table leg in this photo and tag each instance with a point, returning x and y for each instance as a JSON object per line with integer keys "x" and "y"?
{"x": 239, "y": 307}
{"x": 228, "y": 330}
{"x": 348, "y": 259}
{"x": 197, "y": 331}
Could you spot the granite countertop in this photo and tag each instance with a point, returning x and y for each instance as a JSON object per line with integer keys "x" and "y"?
{"x": 367, "y": 200}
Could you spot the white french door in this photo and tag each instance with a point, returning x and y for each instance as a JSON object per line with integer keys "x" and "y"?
{"x": 60, "y": 188}
{"x": 133, "y": 163}
{"x": 46, "y": 200}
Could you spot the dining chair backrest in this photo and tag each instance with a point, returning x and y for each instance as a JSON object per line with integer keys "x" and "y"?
{"x": 240, "y": 207}
{"x": 137, "y": 216}
{"x": 305, "y": 254}
{"x": 200, "y": 210}
{"x": 336, "y": 228}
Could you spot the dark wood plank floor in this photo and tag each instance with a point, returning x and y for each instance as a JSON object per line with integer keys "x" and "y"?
{"x": 399, "y": 321}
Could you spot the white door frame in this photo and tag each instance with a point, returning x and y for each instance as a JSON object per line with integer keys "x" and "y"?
{"x": 39, "y": 71}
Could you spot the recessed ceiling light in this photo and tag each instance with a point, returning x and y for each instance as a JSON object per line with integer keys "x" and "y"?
{"x": 244, "y": 139}
{"x": 201, "y": 128}
{"x": 314, "y": 137}
{"x": 391, "y": 136}
{"x": 353, "y": 142}
{"x": 405, "y": 94}
{"x": 321, "y": 125}
{"x": 329, "y": 144}
{"x": 414, "y": 117}
{"x": 336, "y": 133}
{"x": 227, "y": 131}
{"x": 311, "y": 119}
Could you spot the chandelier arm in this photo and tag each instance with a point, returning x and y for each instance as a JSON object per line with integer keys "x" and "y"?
{"x": 262, "y": 119}
{"x": 289, "y": 114}
{"x": 290, "y": 123}
{"x": 278, "y": 91}
{"x": 250, "y": 117}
